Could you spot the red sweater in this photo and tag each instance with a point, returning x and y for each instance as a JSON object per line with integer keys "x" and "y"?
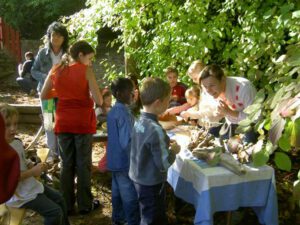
{"x": 75, "y": 108}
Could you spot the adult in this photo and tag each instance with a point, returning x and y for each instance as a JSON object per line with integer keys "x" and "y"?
{"x": 207, "y": 114}
{"x": 57, "y": 44}
{"x": 233, "y": 94}
{"x": 25, "y": 79}
{"x": 76, "y": 88}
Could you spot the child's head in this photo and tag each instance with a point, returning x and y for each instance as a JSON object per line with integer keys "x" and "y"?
{"x": 155, "y": 91}
{"x": 82, "y": 52}
{"x": 194, "y": 70}
{"x": 172, "y": 76}
{"x": 192, "y": 95}
{"x": 29, "y": 56}
{"x": 107, "y": 98}
{"x": 10, "y": 116}
{"x": 123, "y": 90}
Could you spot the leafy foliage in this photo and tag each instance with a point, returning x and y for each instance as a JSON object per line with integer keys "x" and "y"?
{"x": 255, "y": 39}
{"x": 32, "y": 23}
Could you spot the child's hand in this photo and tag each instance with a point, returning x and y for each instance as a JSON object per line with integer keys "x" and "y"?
{"x": 185, "y": 115}
{"x": 38, "y": 169}
{"x": 174, "y": 147}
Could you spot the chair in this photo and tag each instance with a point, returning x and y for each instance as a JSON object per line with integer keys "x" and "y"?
{"x": 11, "y": 215}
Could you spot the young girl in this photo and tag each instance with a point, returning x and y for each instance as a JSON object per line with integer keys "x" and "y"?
{"x": 192, "y": 97}
{"x": 30, "y": 193}
{"x": 101, "y": 111}
{"x": 75, "y": 86}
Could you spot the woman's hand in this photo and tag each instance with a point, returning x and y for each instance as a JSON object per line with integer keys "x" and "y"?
{"x": 224, "y": 109}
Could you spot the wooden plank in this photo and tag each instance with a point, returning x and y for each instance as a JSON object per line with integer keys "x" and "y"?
{"x": 27, "y": 109}
{"x": 30, "y": 119}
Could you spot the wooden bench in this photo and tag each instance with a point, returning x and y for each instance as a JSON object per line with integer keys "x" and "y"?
{"x": 11, "y": 215}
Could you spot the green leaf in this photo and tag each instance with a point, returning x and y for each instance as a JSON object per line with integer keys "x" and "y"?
{"x": 245, "y": 122}
{"x": 299, "y": 174}
{"x": 296, "y": 14}
{"x": 295, "y": 134}
{"x": 284, "y": 143}
{"x": 252, "y": 108}
{"x": 260, "y": 96}
{"x": 260, "y": 158}
{"x": 283, "y": 161}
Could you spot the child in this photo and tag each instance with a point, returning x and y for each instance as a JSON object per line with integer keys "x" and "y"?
{"x": 150, "y": 156}
{"x": 102, "y": 111}
{"x": 9, "y": 167}
{"x": 119, "y": 125}
{"x": 178, "y": 89}
{"x": 192, "y": 97}
{"x": 30, "y": 193}
{"x": 25, "y": 79}
{"x": 195, "y": 69}
{"x": 77, "y": 91}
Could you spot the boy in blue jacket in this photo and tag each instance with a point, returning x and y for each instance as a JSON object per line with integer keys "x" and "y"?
{"x": 150, "y": 155}
{"x": 119, "y": 126}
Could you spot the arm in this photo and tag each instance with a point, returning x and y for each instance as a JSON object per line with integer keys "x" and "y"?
{"x": 36, "y": 69}
{"x": 178, "y": 109}
{"x": 35, "y": 171}
{"x": 25, "y": 68}
{"x": 93, "y": 86}
{"x": 47, "y": 87}
{"x": 160, "y": 150}
{"x": 124, "y": 129}
{"x": 20, "y": 70}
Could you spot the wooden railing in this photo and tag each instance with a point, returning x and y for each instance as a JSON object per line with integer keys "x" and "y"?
{"x": 10, "y": 40}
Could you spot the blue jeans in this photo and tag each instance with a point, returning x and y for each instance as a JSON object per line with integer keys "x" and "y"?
{"x": 152, "y": 202}
{"x": 27, "y": 84}
{"x": 51, "y": 206}
{"x": 124, "y": 200}
{"x": 76, "y": 155}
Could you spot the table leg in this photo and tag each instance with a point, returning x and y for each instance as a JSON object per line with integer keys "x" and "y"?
{"x": 228, "y": 218}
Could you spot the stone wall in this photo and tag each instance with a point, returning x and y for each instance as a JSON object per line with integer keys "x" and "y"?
{"x": 105, "y": 52}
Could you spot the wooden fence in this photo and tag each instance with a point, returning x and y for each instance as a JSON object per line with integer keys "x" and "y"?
{"x": 10, "y": 40}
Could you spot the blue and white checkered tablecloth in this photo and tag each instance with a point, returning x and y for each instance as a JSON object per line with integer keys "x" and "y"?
{"x": 213, "y": 189}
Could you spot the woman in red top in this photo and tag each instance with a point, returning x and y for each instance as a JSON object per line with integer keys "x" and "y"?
{"x": 75, "y": 86}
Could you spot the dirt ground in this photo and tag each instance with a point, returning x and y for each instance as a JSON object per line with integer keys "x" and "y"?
{"x": 10, "y": 93}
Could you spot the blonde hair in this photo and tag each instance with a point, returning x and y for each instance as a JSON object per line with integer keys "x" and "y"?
{"x": 196, "y": 67}
{"x": 193, "y": 91}
{"x": 153, "y": 89}
{"x": 8, "y": 111}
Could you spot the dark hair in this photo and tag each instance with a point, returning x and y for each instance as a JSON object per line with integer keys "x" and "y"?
{"x": 171, "y": 69}
{"x": 80, "y": 47}
{"x": 153, "y": 89}
{"x": 212, "y": 70}
{"x": 61, "y": 29}
{"x": 29, "y": 55}
{"x": 121, "y": 84}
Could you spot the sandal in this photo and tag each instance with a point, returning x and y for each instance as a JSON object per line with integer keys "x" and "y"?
{"x": 95, "y": 205}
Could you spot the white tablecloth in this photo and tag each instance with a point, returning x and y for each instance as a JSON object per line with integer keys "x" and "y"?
{"x": 213, "y": 189}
